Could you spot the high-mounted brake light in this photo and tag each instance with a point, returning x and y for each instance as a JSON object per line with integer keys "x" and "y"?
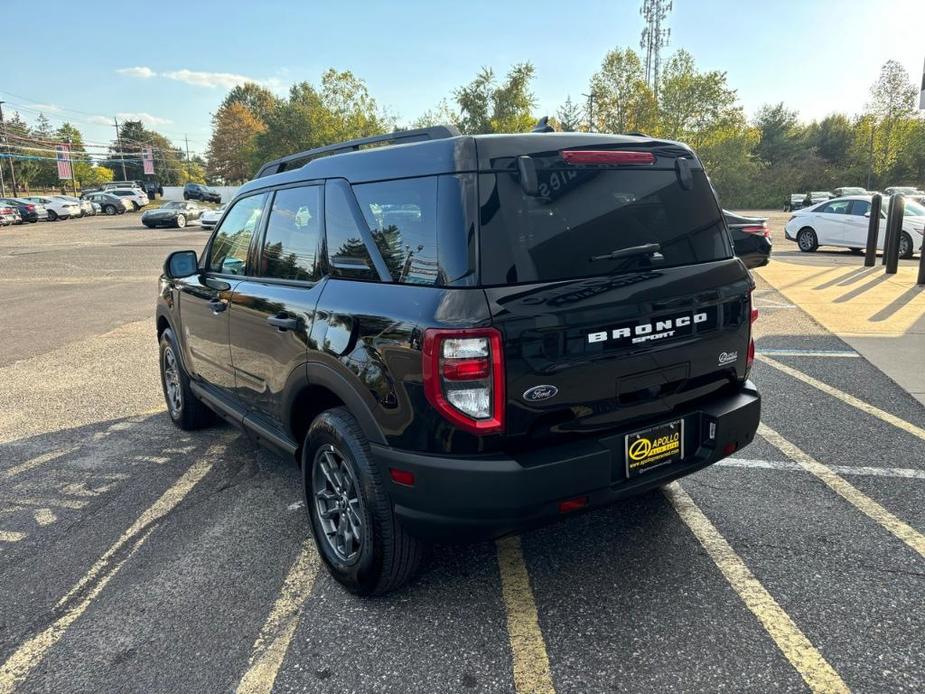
{"x": 595, "y": 156}
{"x": 464, "y": 377}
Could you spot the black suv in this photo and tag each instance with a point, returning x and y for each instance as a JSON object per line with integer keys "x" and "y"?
{"x": 462, "y": 336}
{"x": 197, "y": 191}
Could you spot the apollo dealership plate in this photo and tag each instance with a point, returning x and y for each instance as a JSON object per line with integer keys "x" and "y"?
{"x": 653, "y": 447}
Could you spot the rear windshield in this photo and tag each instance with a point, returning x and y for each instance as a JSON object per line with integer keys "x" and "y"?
{"x": 581, "y": 215}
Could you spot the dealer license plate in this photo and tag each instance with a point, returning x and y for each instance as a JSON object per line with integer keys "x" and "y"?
{"x": 653, "y": 447}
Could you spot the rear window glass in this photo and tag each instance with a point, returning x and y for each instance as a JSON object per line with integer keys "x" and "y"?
{"x": 402, "y": 216}
{"x": 583, "y": 215}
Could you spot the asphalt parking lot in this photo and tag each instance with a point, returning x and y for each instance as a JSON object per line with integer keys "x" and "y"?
{"x": 134, "y": 557}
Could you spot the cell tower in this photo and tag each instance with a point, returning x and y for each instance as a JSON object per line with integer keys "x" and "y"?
{"x": 655, "y": 36}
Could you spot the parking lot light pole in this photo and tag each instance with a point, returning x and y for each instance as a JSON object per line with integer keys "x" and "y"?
{"x": 873, "y": 231}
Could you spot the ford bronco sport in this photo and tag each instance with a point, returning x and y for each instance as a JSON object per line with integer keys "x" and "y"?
{"x": 459, "y": 337}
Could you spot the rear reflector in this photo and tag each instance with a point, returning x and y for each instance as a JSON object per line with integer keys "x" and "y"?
{"x": 402, "y": 476}
{"x": 573, "y": 504}
{"x": 730, "y": 448}
{"x": 594, "y": 156}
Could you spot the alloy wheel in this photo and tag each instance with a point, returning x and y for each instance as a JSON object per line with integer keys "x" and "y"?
{"x": 172, "y": 383}
{"x": 337, "y": 503}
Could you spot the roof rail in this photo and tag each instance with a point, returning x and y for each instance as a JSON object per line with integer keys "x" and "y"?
{"x": 437, "y": 132}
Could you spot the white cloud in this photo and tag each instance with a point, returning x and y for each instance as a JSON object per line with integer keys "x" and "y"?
{"x": 139, "y": 71}
{"x": 208, "y": 79}
{"x": 145, "y": 118}
{"x": 100, "y": 120}
{"x": 50, "y": 108}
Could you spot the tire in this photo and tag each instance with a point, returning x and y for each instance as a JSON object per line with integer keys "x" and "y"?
{"x": 109, "y": 210}
{"x": 135, "y": 206}
{"x": 181, "y": 221}
{"x": 186, "y": 411}
{"x": 807, "y": 240}
{"x": 52, "y": 216}
{"x": 382, "y": 556}
{"x": 150, "y": 226}
{"x": 857, "y": 251}
{"x": 906, "y": 247}
{"x": 185, "y": 196}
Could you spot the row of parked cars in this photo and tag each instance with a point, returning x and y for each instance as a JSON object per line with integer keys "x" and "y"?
{"x": 800, "y": 200}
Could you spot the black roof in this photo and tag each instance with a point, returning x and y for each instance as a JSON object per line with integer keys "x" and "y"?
{"x": 447, "y": 155}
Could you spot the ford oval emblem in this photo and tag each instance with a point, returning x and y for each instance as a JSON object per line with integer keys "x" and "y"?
{"x": 537, "y": 393}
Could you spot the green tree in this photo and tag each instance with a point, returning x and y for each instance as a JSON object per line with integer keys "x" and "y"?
{"x": 169, "y": 161}
{"x": 260, "y": 101}
{"x": 892, "y": 106}
{"x": 487, "y": 106}
{"x": 623, "y": 101}
{"x": 569, "y": 116}
{"x": 779, "y": 134}
{"x": 233, "y": 145}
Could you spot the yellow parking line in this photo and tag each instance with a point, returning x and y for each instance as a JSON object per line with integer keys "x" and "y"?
{"x": 29, "y": 654}
{"x": 846, "y": 490}
{"x": 845, "y": 397}
{"x": 528, "y": 649}
{"x": 809, "y": 662}
{"x": 275, "y": 636}
{"x": 10, "y": 536}
{"x": 38, "y": 460}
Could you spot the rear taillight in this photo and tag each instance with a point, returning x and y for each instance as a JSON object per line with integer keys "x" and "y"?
{"x": 30, "y": 208}
{"x": 464, "y": 377}
{"x": 594, "y": 156}
{"x": 756, "y": 229}
{"x": 753, "y": 316}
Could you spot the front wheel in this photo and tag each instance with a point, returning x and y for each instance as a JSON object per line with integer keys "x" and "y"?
{"x": 110, "y": 210}
{"x": 807, "y": 241}
{"x": 355, "y": 528}
{"x": 906, "y": 248}
{"x": 181, "y": 221}
{"x": 52, "y": 216}
{"x": 186, "y": 411}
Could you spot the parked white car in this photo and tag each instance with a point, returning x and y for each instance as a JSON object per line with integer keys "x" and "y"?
{"x": 844, "y": 221}
{"x": 86, "y": 207}
{"x": 210, "y": 218}
{"x": 58, "y": 208}
{"x": 135, "y": 196}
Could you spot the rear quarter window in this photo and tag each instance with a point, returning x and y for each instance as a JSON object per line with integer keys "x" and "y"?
{"x": 584, "y": 213}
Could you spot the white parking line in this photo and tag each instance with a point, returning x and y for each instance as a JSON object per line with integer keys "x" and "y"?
{"x": 846, "y": 490}
{"x": 828, "y": 353}
{"x": 862, "y": 470}
{"x": 38, "y": 460}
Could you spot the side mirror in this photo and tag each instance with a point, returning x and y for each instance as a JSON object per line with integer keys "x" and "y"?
{"x": 181, "y": 264}
{"x": 867, "y": 214}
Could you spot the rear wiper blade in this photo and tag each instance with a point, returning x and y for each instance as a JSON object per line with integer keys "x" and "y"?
{"x": 644, "y": 249}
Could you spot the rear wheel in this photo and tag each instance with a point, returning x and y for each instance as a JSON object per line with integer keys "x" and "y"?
{"x": 110, "y": 209}
{"x": 185, "y": 409}
{"x": 806, "y": 240}
{"x": 181, "y": 221}
{"x": 857, "y": 251}
{"x": 355, "y": 528}
{"x": 906, "y": 248}
{"x": 52, "y": 216}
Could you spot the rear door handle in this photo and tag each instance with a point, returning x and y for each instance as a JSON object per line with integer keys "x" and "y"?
{"x": 218, "y": 305}
{"x": 282, "y": 322}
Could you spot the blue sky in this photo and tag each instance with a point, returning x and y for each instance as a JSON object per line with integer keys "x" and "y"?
{"x": 817, "y": 57}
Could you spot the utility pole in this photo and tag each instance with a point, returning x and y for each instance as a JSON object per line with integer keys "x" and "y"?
{"x": 654, "y": 38}
{"x": 189, "y": 168}
{"x": 70, "y": 160}
{"x": 121, "y": 152}
{"x": 590, "y": 97}
{"x": 10, "y": 158}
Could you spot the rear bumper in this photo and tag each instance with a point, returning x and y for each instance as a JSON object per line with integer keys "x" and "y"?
{"x": 463, "y": 498}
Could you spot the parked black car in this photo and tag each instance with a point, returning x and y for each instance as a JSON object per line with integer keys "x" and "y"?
{"x": 109, "y": 203}
{"x": 750, "y": 238}
{"x": 197, "y": 191}
{"x": 29, "y": 211}
{"x": 462, "y": 336}
{"x": 172, "y": 214}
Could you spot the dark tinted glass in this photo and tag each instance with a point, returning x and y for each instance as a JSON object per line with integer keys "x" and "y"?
{"x": 228, "y": 254}
{"x": 347, "y": 253}
{"x": 582, "y": 214}
{"x": 292, "y": 240}
{"x": 860, "y": 207}
{"x": 402, "y": 216}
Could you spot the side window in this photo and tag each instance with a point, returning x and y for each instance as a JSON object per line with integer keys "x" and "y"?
{"x": 860, "y": 207}
{"x": 402, "y": 216}
{"x": 347, "y": 253}
{"x": 293, "y": 236}
{"x": 228, "y": 254}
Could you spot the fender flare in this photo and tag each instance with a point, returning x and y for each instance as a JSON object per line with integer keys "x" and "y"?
{"x": 319, "y": 374}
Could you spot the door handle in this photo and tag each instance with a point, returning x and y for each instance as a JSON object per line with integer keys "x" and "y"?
{"x": 217, "y": 305}
{"x": 282, "y": 322}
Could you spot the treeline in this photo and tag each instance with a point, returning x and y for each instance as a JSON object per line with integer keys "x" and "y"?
{"x": 755, "y": 163}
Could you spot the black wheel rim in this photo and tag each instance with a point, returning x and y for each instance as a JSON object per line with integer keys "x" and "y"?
{"x": 172, "y": 388}
{"x": 338, "y": 508}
